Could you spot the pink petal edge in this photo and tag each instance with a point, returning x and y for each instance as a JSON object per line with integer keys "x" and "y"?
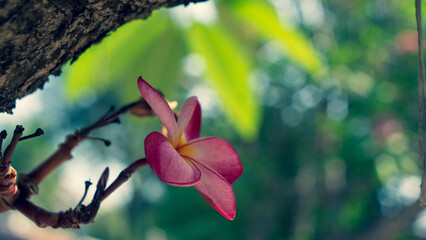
{"x": 217, "y": 192}
{"x": 216, "y": 154}
{"x": 167, "y": 164}
{"x": 189, "y": 121}
{"x": 161, "y": 108}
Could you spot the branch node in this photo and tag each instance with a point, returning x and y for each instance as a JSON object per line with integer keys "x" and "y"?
{"x": 86, "y": 188}
{"x": 27, "y": 186}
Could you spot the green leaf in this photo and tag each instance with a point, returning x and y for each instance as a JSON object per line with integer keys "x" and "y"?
{"x": 228, "y": 67}
{"x": 160, "y": 64}
{"x": 114, "y": 61}
{"x": 262, "y": 18}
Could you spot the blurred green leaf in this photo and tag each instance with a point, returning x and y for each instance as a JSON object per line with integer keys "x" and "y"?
{"x": 115, "y": 59}
{"x": 261, "y": 17}
{"x": 228, "y": 67}
{"x": 160, "y": 64}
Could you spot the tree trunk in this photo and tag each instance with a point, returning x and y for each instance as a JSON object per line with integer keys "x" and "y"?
{"x": 38, "y": 37}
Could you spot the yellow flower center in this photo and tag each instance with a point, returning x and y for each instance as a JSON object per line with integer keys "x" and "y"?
{"x": 182, "y": 141}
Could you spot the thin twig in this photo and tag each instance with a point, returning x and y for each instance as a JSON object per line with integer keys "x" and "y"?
{"x": 16, "y": 195}
{"x": 123, "y": 177}
{"x": 82, "y": 214}
{"x": 113, "y": 117}
{"x": 86, "y": 189}
{"x": 3, "y": 135}
{"x": 12, "y": 145}
{"x": 64, "y": 152}
{"x": 37, "y": 133}
{"x": 71, "y": 218}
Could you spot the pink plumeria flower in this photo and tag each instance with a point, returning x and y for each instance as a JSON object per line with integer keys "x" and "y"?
{"x": 184, "y": 159}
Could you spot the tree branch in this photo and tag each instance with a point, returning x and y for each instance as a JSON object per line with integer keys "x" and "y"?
{"x": 81, "y": 214}
{"x": 29, "y": 183}
{"x": 37, "y": 39}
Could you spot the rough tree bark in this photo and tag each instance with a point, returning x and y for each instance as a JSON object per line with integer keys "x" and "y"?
{"x": 38, "y": 37}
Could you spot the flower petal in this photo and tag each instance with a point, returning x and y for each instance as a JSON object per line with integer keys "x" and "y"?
{"x": 161, "y": 108}
{"x": 217, "y": 192}
{"x": 189, "y": 121}
{"x": 215, "y": 153}
{"x": 166, "y": 162}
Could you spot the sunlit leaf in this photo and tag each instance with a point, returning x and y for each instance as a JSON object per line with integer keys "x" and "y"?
{"x": 161, "y": 62}
{"x": 228, "y": 67}
{"x": 262, "y": 18}
{"x": 115, "y": 59}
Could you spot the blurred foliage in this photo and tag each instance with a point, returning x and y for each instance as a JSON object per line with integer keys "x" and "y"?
{"x": 318, "y": 97}
{"x": 229, "y": 70}
{"x": 262, "y": 18}
{"x": 155, "y": 49}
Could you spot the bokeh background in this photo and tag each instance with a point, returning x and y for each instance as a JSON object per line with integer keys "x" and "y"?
{"x": 319, "y": 98}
